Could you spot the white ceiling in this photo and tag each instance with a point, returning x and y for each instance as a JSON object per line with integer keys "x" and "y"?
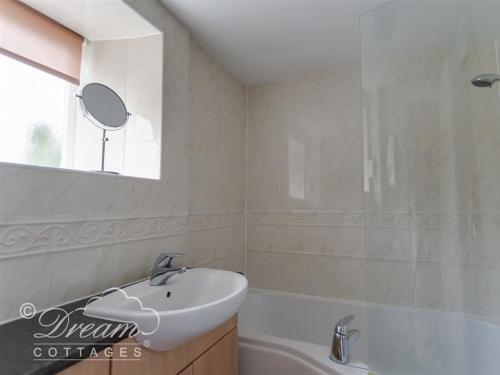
{"x": 267, "y": 40}
{"x": 96, "y": 19}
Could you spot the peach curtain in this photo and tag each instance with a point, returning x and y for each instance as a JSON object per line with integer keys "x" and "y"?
{"x": 35, "y": 39}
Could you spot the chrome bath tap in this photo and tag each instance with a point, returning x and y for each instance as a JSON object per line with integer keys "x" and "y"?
{"x": 162, "y": 269}
{"x": 343, "y": 340}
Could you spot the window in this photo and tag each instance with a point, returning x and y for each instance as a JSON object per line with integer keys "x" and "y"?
{"x": 35, "y": 111}
{"x": 43, "y": 65}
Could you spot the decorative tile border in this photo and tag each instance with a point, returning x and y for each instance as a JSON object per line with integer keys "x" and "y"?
{"x": 19, "y": 239}
{"x": 357, "y": 219}
{"x": 387, "y": 220}
{"x": 381, "y": 259}
{"x": 305, "y": 218}
{"x": 452, "y": 221}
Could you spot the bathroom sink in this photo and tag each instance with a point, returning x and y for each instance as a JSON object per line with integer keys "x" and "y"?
{"x": 169, "y": 315}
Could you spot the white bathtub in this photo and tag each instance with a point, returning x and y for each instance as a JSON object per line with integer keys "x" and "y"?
{"x": 282, "y": 333}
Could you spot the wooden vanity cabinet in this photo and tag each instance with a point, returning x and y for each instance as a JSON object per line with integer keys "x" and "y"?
{"x": 214, "y": 353}
{"x": 187, "y": 371}
{"x": 100, "y": 365}
{"x": 220, "y": 359}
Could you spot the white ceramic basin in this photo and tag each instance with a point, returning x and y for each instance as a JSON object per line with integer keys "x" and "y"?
{"x": 169, "y": 315}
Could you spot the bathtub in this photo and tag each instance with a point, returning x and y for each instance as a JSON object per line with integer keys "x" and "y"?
{"x": 283, "y": 333}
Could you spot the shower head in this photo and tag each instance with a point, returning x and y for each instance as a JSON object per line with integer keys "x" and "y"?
{"x": 485, "y": 80}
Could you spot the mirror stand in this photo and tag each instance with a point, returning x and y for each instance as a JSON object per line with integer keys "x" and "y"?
{"x": 104, "y": 109}
{"x": 103, "y": 153}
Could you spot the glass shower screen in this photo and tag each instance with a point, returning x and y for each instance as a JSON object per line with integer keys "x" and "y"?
{"x": 432, "y": 178}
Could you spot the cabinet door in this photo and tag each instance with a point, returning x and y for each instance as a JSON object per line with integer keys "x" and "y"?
{"x": 220, "y": 359}
{"x": 166, "y": 363}
{"x": 187, "y": 371}
{"x": 97, "y": 366}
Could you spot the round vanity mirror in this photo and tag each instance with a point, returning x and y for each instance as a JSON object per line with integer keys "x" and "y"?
{"x": 103, "y": 107}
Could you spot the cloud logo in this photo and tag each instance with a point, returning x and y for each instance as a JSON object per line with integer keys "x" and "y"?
{"x": 146, "y": 319}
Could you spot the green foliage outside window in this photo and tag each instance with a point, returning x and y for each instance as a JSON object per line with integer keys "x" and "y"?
{"x": 44, "y": 148}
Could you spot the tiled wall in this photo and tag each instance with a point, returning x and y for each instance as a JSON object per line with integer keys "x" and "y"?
{"x": 64, "y": 235}
{"x": 441, "y": 233}
{"x": 305, "y": 197}
{"x": 133, "y": 68}
{"x": 425, "y": 236}
{"x": 216, "y": 154}
{"x": 430, "y": 240}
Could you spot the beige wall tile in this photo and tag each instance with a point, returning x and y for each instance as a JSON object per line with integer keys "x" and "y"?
{"x": 203, "y": 172}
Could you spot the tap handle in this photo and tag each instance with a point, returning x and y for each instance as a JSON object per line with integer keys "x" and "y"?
{"x": 341, "y": 325}
{"x": 165, "y": 260}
